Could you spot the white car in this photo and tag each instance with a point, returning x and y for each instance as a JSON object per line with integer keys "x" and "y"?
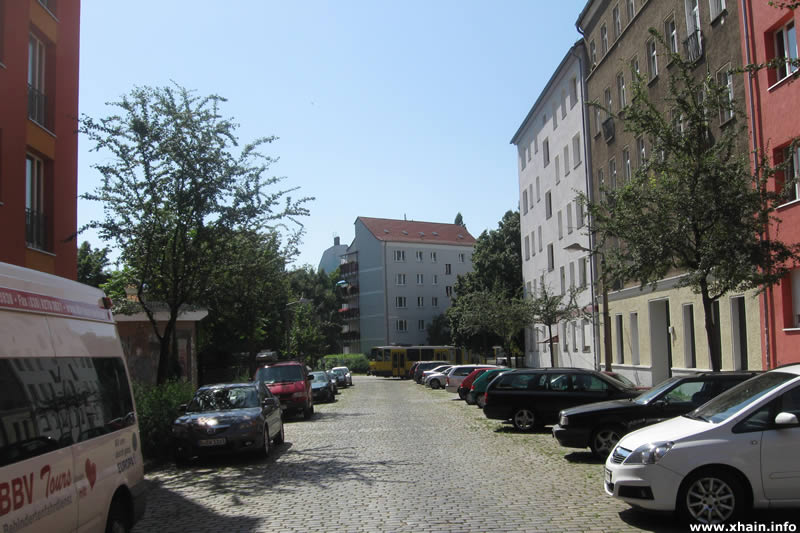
{"x": 436, "y": 377}
{"x": 737, "y": 451}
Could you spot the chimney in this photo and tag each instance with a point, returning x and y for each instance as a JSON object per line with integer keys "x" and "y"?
{"x": 336, "y": 241}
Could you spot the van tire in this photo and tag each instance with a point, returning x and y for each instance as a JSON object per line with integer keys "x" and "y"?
{"x": 118, "y": 518}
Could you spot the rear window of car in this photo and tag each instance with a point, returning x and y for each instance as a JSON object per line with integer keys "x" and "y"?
{"x": 516, "y": 381}
{"x": 278, "y": 374}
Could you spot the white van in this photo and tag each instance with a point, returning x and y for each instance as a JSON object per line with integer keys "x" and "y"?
{"x": 70, "y": 449}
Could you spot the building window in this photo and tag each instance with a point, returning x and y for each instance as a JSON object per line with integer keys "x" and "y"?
{"x": 593, "y": 53}
{"x": 527, "y": 246}
{"x": 420, "y": 301}
{"x": 626, "y": 164}
{"x": 635, "y": 72}
{"x": 399, "y": 256}
{"x": 573, "y": 92}
{"x": 671, "y": 33}
{"x": 612, "y": 173}
{"x": 571, "y": 274}
{"x": 598, "y": 120}
{"x": 400, "y": 279}
{"x": 617, "y": 22}
{"x": 560, "y": 226}
{"x": 791, "y": 173}
{"x": 621, "y": 94}
{"x": 634, "y": 326}
{"x": 558, "y": 170}
{"x": 36, "y": 221}
{"x": 725, "y": 79}
{"x": 563, "y": 104}
{"x": 433, "y": 257}
{"x": 563, "y": 278}
{"x": 569, "y": 217}
{"x": 601, "y": 181}
{"x": 525, "y": 202}
{"x": 620, "y": 340}
{"x": 690, "y": 355}
{"x": 551, "y": 265}
{"x": 546, "y": 152}
{"x": 640, "y": 151}
{"x": 794, "y": 321}
{"x": 37, "y": 101}
{"x": 434, "y": 301}
{"x": 419, "y": 256}
{"x": 539, "y": 237}
{"x": 576, "y": 149}
{"x": 436, "y": 279}
{"x": 530, "y": 194}
{"x": 716, "y": 7}
{"x": 538, "y": 190}
{"x": 448, "y": 269}
{"x": 582, "y": 272}
{"x": 400, "y": 302}
{"x": 608, "y": 101}
{"x": 421, "y": 325}
{"x": 566, "y": 160}
{"x": 694, "y": 42}
{"x": 631, "y": 9}
{"x": 555, "y": 116}
{"x": 548, "y": 205}
{"x": 448, "y": 290}
{"x": 786, "y": 46}
{"x": 533, "y": 243}
{"x": 603, "y": 40}
{"x": 402, "y": 325}
{"x": 420, "y": 279}
{"x": 652, "y": 59}
{"x": 579, "y": 213}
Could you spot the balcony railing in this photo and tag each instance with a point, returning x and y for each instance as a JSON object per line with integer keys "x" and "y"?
{"x": 349, "y": 268}
{"x": 608, "y": 129}
{"x": 37, "y": 106}
{"x": 36, "y": 234}
{"x": 693, "y": 46}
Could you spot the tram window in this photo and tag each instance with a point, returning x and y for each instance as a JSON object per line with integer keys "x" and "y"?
{"x": 413, "y": 354}
{"x": 427, "y": 354}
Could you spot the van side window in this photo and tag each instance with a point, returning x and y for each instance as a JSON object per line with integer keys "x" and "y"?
{"x": 59, "y": 401}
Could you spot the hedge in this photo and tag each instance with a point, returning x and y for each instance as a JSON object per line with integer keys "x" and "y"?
{"x": 157, "y": 407}
{"x": 356, "y": 362}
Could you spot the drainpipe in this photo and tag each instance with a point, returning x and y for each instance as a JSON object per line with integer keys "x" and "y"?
{"x": 590, "y": 194}
{"x": 767, "y": 297}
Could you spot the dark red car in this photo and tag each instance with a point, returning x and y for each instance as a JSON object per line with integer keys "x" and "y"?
{"x": 463, "y": 389}
{"x": 291, "y": 383}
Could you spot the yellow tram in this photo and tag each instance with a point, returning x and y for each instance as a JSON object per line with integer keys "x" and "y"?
{"x": 395, "y": 361}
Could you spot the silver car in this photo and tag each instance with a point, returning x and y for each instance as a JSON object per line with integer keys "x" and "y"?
{"x": 435, "y": 377}
{"x": 343, "y": 370}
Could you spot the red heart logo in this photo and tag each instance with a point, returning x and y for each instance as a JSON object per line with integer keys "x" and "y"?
{"x": 91, "y": 472}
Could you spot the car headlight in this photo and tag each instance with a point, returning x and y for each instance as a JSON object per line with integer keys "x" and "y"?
{"x": 298, "y": 395}
{"x": 649, "y": 454}
{"x": 563, "y": 420}
{"x": 249, "y": 423}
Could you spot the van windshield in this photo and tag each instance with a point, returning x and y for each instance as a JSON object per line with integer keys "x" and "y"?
{"x": 733, "y": 400}
{"x": 279, "y": 374}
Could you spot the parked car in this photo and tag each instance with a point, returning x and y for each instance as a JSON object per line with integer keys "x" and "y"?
{"x": 290, "y": 382}
{"x": 228, "y": 418}
{"x": 322, "y": 388}
{"x": 457, "y": 374}
{"x": 600, "y": 425}
{"x": 625, "y": 380}
{"x": 341, "y": 379}
{"x": 435, "y": 378}
{"x": 477, "y": 390}
{"x": 422, "y": 367}
{"x": 348, "y": 377}
{"x": 466, "y": 383}
{"x": 533, "y": 398}
{"x": 711, "y": 465}
{"x": 334, "y": 381}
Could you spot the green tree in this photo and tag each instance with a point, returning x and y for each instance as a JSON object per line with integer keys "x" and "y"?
{"x": 459, "y": 221}
{"x": 92, "y": 264}
{"x": 306, "y": 338}
{"x": 439, "y": 331}
{"x": 326, "y": 299}
{"x": 549, "y": 309}
{"x": 694, "y": 207}
{"x": 173, "y": 191}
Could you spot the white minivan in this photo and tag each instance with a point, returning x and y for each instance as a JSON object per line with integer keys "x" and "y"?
{"x": 739, "y": 450}
{"x": 70, "y": 448}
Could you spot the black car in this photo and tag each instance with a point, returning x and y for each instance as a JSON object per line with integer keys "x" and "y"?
{"x": 322, "y": 388}
{"x": 600, "y": 425}
{"x": 227, "y": 418}
{"x": 422, "y": 366}
{"x": 533, "y": 398}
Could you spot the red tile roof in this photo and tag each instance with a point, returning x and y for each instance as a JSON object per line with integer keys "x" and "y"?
{"x": 389, "y": 230}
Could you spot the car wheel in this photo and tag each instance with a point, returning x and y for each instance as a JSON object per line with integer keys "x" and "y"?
{"x": 308, "y": 412}
{"x": 462, "y": 394}
{"x": 435, "y": 384}
{"x": 604, "y": 439}
{"x": 281, "y": 436}
{"x": 524, "y": 419}
{"x": 181, "y": 456}
{"x": 118, "y": 519}
{"x": 267, "y": 441}
{"x": 479, "y": 401}
{"x": 712, "y": 496}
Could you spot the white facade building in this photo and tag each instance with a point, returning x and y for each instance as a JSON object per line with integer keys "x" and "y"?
{"x": 399, "y": 276}
{"x": 553, "y": 161}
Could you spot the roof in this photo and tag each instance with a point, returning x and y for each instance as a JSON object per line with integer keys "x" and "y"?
{"x": 385, "y": 229}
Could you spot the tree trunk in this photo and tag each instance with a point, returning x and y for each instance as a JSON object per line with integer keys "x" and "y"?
{"x": 714, "y": 354}
{"x": 550, "y": 340}
{"x": 165, "y": 350}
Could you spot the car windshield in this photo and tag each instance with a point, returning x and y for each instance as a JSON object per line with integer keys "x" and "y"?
{"x": 279, "y": 374}
{"x": 622, "y": 379}
{"x": 223, "y": 399}
{"x": 320, "y": 376}
{"x": 340, "y": 371}
{"x": 442, "y": 368}
{"x": 735, "y": 399}
{"x": 647, "y": 396}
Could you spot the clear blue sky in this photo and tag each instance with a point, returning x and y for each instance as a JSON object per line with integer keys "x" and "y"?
{"x": 382, "y": 109}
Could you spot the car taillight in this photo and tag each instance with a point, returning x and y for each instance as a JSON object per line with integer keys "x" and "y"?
{"x": 472, "y": 387}
{"x": 485, "y": 398}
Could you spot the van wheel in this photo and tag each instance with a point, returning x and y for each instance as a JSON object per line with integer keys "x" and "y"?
{"x": 281, "y": 436}
{"x": 712, "y": 496}
{"x": 118, "y": 520}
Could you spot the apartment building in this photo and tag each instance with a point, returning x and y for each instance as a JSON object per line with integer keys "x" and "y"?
{"x": 398, "y": 276}
{"x": 770, "y": 33}
{"x": 657, "y": 332}
{"x": 38, "y": 134}
{"x": 553, "y": 170}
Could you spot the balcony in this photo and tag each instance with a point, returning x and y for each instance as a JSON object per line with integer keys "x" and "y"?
{"x": 37, "y": 106}
{"x": 608, "y": 129}
{"x": 693, "y": 46}
{"x": 36, "y": 235}
{"x": 349, "y": 269}
{"x": 349, "y": 313}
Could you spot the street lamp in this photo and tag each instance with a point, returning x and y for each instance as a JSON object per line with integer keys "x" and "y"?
{"x": 575, "y": 247}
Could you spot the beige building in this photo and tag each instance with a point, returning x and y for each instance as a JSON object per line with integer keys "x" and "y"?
{"x": 658, "y": 333}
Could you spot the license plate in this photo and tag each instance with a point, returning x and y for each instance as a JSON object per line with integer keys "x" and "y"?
{"x": 211, "y": 442}
{"x": 608, "y": 475}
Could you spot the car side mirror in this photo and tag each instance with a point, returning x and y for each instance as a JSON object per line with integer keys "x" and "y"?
{"x": 309, "y": 378}
{"x": 270, "y": 402}
{"x": 786, "y": 419}
{"x": 182, "y": 408}
{"x": 660, "y": 404}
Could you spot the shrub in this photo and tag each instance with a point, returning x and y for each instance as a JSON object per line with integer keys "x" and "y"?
{"x": 157, "y": 407}
{"x": 356, "y": 362}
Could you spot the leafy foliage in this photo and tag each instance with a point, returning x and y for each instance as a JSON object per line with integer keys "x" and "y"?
{"x": 157, "y": 407}
{"x": 356, "y": 362}
{"x": 439, "y": 331}
{"x": 92, "y": 265}
{"x": 549, "y": 309}
{"x": 174, "y": 194}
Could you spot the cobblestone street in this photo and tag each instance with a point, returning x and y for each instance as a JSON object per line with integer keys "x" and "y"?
{"x": 390, "y": 455}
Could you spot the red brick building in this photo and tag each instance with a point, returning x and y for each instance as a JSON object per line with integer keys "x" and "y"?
{"x": 773, "y": 99}
{"x": 39, "y": 41}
